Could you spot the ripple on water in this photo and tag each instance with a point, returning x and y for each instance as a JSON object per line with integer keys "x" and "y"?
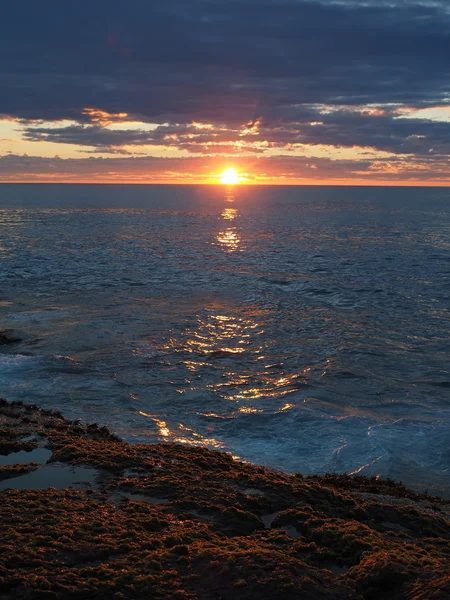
{"x": 305, "y": 329}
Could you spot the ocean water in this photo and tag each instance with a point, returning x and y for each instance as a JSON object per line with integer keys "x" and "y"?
{"x": 304, "y": 328}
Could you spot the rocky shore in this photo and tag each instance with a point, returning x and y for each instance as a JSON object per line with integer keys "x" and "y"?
{"x": 86, "y": 515}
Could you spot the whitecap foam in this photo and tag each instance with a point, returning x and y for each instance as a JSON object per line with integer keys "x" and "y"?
{"x": 13, "y": 362}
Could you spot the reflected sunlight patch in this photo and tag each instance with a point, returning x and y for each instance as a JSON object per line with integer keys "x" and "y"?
{"x": 180, "y": 434}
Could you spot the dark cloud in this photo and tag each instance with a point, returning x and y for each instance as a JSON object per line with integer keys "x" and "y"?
{"x": 377, "y": 129}
{"x": 380, "y": 131}
{"x": 227, "y": 62}
{"x": 184, "y": 137}
{"x": 219, "y": 60}
{"x": 90, "y": 135}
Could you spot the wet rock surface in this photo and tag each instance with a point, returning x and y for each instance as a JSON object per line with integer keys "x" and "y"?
{"x": 170, "y": 521}
{"x": 8, "y": 336}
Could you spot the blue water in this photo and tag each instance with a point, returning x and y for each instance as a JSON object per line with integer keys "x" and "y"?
{"x": 298, "y": 327}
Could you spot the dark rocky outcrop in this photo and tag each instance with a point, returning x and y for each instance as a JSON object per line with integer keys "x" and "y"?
{"x": 7, "y": 336}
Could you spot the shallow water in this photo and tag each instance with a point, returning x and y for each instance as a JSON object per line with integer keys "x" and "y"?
{"x": 302, "y": 328}
{"x": 52, "y": 476}
{"x": 38, "y": 455}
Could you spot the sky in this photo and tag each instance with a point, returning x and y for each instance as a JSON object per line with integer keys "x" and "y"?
{"x": 176, "y": 91}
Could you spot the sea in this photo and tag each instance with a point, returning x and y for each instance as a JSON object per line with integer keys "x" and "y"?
{"x": 302, "y": 328}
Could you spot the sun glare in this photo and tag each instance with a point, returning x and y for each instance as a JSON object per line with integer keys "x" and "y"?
{"x": 229, "y": 177}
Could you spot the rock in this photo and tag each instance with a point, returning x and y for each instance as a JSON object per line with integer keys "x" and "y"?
{"x": 7, "y": 337}
{"x": 240, "y": 522}
{"x": 360, "y": 538}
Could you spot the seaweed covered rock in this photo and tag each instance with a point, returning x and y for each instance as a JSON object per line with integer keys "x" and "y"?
{"x": 240, "y": 522}
{"x": 168, "y": 521}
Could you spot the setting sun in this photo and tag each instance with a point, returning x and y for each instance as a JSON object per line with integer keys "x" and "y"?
{"x": 229, "y": 177}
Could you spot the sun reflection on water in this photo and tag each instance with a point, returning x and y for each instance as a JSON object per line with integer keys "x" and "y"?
{"x": 229, "y": 240}
{"x": 229, "y": 214}
{"x": 181, "y": 434}
{"x": 217, "y": 336}
{"x": 224, "y": 355}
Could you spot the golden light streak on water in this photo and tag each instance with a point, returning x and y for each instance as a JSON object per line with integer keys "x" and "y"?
{"x": 229, "y": 214}
{"x": 213, "y": 347}
{"x": 184, "y": 435}
{"x": 229, "y": 240}
{"x": 369, "y": 464}
{"x": 249, "y": 410}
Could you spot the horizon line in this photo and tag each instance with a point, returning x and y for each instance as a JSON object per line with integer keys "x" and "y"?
{"x": 239, "y": 185}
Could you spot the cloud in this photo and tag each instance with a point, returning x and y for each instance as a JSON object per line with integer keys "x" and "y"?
{"x": 227, "y": 63}
{"x": 91, "y": 135}
{"x": 379, "y": 129}
{"x": 218, "y": 60}
{"x": 283, "y": 168}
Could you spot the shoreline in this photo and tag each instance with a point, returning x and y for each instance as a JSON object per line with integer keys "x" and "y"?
{"x": 107, "y": 519}
{"x": 421, "y": 477}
